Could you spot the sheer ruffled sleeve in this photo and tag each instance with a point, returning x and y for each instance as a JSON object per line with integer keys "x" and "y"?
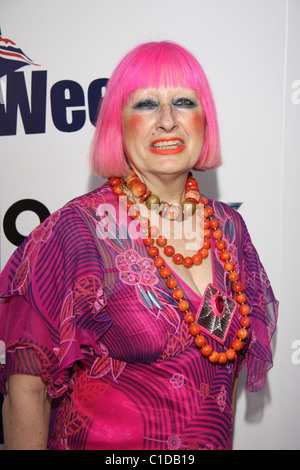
{"x": 52, "y": 304}
{"x": 264, "y": 311}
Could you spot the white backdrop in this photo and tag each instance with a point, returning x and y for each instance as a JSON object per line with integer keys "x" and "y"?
{"x": 249, "y": 50}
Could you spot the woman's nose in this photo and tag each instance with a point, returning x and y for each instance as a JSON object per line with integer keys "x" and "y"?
{"x": 166, "y": 118}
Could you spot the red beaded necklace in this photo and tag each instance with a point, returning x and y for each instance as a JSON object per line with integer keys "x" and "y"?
{"x": 193, "y": 199}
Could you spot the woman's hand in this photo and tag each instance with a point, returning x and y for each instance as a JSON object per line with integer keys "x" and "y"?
{"x": 26, "y": 413}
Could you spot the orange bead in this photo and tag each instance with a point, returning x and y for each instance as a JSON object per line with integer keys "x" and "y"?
{"x": 242, "y": 333}
{"x": 204, "y": 224}
{"x": 188, "y": 262}
{"x": 153, "y": 231}
{"x": 210, "y": 211}
{"x": 224, "y": 255}
{"x": 118, "y": 189}
{"x": 144, "y": 222}
{"x": 163, "y": 209}
{"x": 206, "y": 350}
{"x": 214, "y": 357}
{"x": 193, "y": 194}
{"x": 178, "y": 294}
{"x": 205, "y": 233}
{"x": 134, "y": 213}
{"x": 173, "y": 212}
{"x": 128, "y": 205}
{"x": 132, "y": 181}
{"x": 203, "y": 252}
{"x": 161, "y": 241}
{"x": 189, "y": 317}
{"x": 172, "y": 282}
{"x": 200, "y": 341}
{"x": 230, "y": 353}
{"x": 206, "y": 243}
{"x": 192, "y": 187}
{"x": 159, "y": 262}
{"x": 169, "y": 250}
{"x": 237, "y": 344}
{"x": 217, "y": 234}
{"x": 233, "y": 277}
{"x": 145, "y": 196}
{"x": 191, "y": 182}
{"x": 237, "y": 287}
{"x": 221, "y": 245}
{"x": 114, "y": 181}
{"x": 222, "y": 358}
{"x": 178, "y": 258}
{"x": 229, "y": 266}
{"x": 165, "y": 272}
{"x": 214, "y": 223}
{"x": 195, "y": 329}
{"x": 203, "y": 213}
{"x": 148, "y": 241}
{"x": 241, "y": 298}
{"x": 197, "y": 259}
{"x": 244, "y": 310}
{"x": 153, "y": 251}
{"x": 203, "y": 200}
{"x": 245, "y": 322}
{"x": 183, "y": 305}
{"x": 138, "y": 189}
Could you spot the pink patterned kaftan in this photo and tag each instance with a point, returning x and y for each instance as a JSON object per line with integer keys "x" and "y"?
{"x": 94, "y": 319}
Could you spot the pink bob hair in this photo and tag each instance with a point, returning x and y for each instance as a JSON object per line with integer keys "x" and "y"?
{"x": 150, "y": 65}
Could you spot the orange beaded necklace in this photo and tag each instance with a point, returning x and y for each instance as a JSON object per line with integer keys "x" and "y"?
{"x": 193, "y": 200}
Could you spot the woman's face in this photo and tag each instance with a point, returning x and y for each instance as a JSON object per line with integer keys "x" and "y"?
{"x": 163, "y": 130}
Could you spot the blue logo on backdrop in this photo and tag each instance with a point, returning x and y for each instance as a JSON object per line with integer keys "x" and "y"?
{"x": 64, "y": 96}
{"x": 11, "y": 56}
{"x": 28, "y": 103}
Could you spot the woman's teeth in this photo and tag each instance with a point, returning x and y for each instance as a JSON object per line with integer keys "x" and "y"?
{"x": 173, "y": 144}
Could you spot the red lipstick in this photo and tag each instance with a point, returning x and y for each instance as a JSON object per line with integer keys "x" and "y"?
{"x": 167, "y": 146}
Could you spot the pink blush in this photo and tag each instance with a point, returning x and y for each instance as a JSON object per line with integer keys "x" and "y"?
{"x": 134, "y": 124}
{"x": 197, "y": 122}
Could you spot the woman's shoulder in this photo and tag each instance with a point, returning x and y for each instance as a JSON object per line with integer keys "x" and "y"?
{"x": 228, "y": 210}
{"x": 95, "y": 197}
{"x": 71, "y": 212}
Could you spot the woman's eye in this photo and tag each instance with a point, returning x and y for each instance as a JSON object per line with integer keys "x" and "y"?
{"x": 184, "y": 103}
{"x": 145, "y": 105}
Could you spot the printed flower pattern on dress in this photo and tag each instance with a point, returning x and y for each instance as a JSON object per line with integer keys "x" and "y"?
{"x": 174, "y": 442}
{"x": 40, "y": 235}
{"x": 136, "y": 270}
{"x": 221, "y": 399}
{"x": 177, "y": 380}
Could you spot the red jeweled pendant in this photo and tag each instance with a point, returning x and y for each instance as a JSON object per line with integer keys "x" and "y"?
{"x": 215, "y": 313}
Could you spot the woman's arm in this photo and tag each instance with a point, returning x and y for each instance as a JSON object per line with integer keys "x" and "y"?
{"x": 26, "y": 413}
{"x": 234, "y": 393}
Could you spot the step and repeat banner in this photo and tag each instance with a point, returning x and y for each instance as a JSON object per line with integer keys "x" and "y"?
{"x": 55, "y": 60}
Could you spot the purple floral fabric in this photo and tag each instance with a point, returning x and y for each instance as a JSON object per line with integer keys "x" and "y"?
{"x": 83, "y": 306}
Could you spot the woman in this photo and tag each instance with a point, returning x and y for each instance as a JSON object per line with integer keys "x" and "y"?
{"x": 128, "y": 314}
